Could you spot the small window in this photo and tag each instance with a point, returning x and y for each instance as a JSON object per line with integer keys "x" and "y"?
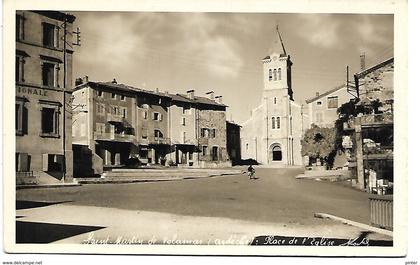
{"x": 122, "y": 98}
{"x": 156, "y": 116}
{"x": 124, "y": 112}
{"x": 100, "y": 93}
{"x": 158, "y": 134}
{"x": 184, "y": 137}
{"x": 145, "y": 115}
{"x": 205, "y": 150}
{"x": 319, "y": 103}
{"x": 275, "y": 100}
{"x": 332, "y": 102}
{"x": 50, "y": 35}
{"x": 273, "y": 123}
{"x": 279, "y": 73}
{"x": 278, "y": 122}
{"x": 113, "y": 96}
{"x": 275, "y": 74}
{"x": 247, "y": 146}
{"x": 183, "y": 121}
{"x": 49, "y": 74}
{"x": 270, "y": 75}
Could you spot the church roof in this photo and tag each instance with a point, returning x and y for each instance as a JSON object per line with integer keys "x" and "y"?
{"x": 277, "y": 46}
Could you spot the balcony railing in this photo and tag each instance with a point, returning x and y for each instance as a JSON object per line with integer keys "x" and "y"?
{"x": 114, "y": 118}
{"x": 116, "y": 137}
{"x": 160, "y": 140}
{"x": 370, "y": 120}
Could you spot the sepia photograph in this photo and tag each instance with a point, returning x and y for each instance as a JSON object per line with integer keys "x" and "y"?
{"x": 200, "y": 129}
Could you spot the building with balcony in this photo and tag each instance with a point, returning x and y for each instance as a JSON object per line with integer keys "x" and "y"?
{"x": 373, "y": 134}
{"x": 115, "y": 125}
{"x": 43, "y": 74}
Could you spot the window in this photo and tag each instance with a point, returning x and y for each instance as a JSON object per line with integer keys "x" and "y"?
{"x": 247, "y": 146}
{"x": 19, "y": 69}
{"x": 122, "y": 98}
{"x": 23, "y": 162}
{"x": 21, "y": 117}
{"x": 100, "y": 108}
{"x": 156, "y": 116}
{"x": 113, "y": 96}
{"x": 190, "y": 156}
{"x": 49, "y": 75}
{"x": 319, "y": 103}
{"x": 186, "y": 110}
{"x": 205, "y": 150}
{"x": 183, "y": 121}
{"x": 270, "y": 75}
{"x": 319, "y": 117}
{"x": 100, "y": 93}
{"x": 19, "y": 27}
{"x": 332, "y": 102}
{"x": 278, "y": 122}
{"x": 275, "y": 74}
{"x": 50, "y": 35}
{"x": 100, "y": 127}
{"x": 50, "y": 119}
{"x": 213, "y": 133}
{"x": 124, "y": 112}
{"x": 158, "y": 134}
{"x": 184, "y": 137}
{"x": 215, "y": 153}
{"x": 279, "y": 73}
{"x": 273, "y": 123}
{"x": 145, "y": 114}
{"x": 275, "y": 100}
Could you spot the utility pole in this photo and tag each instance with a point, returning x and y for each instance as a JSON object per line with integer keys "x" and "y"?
{"x": 64, "y": 25}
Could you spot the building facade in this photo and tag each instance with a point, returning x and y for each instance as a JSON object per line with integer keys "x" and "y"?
{"x": 116, "y": 125}
{"x": 43, "y": 96}
{"x": 233, "y": 141}
{"x": 272, "y": 134}
{"x": 322, "y": 109}
{"x": 373, "y": 133}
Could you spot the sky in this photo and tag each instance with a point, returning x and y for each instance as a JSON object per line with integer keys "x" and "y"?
{"x": 222, "y": 52}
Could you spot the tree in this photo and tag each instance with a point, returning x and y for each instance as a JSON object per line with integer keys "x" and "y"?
{"x": 319, "y": 143}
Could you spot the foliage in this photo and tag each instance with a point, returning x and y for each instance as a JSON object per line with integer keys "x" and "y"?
{"x": 319, "y": 143}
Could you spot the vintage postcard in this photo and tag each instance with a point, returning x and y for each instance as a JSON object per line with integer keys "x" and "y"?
{"x": 255, "y": 128}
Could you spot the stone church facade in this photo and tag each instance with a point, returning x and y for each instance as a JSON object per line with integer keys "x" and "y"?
{"x": 272, "y": 134}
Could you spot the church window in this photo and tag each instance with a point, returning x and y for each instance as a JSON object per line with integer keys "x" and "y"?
{"x": 275, "y": 75}
{"x": 273, "y": 122}
{"x": 270, "y": 75}
{"x": 279, "y": 73}
{"x": 275, "y": 100}
{"x": 278, "y": 122}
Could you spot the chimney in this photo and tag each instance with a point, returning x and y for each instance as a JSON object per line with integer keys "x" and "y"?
{"x": 114, "y": 81}
{"x": 78, "y": 81}
{"x": 210, "y": 94}
{"x": 190, "y": 94}
{"x": 85, "y": 79}
{"x": 157, "y": 90}
{"x": 362, "y": 61}
{"x": 317, "y": 94}
{"x": 219, "y": 99}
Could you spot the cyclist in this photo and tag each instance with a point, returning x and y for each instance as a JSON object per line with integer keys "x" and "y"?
{"x": 251, "y": 172}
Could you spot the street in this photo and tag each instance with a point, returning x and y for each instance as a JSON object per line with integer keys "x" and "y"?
{"x": 275, "y": 199}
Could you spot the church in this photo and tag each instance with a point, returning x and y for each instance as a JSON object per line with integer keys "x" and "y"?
{"x": 272, "y": 134}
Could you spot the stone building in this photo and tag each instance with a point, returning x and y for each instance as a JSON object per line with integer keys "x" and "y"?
{"x": 322, "y": 109}
{"x": 43, "y": 97}
{"x": 272, "y": 134}
{"x": 233, "y": 142}
{"x": 373, "y": 134}
{"x": 116, "y": 125}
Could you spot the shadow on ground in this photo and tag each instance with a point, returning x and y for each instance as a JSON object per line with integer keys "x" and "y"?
{"x": 20, "y": 204}
{"x": 31, "y": 232}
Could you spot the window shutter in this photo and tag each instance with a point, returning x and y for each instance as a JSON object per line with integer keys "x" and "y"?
{"x": 45, "y": 162}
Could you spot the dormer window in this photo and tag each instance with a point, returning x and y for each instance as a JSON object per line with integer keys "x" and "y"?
{"x": 270, "y": 75}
